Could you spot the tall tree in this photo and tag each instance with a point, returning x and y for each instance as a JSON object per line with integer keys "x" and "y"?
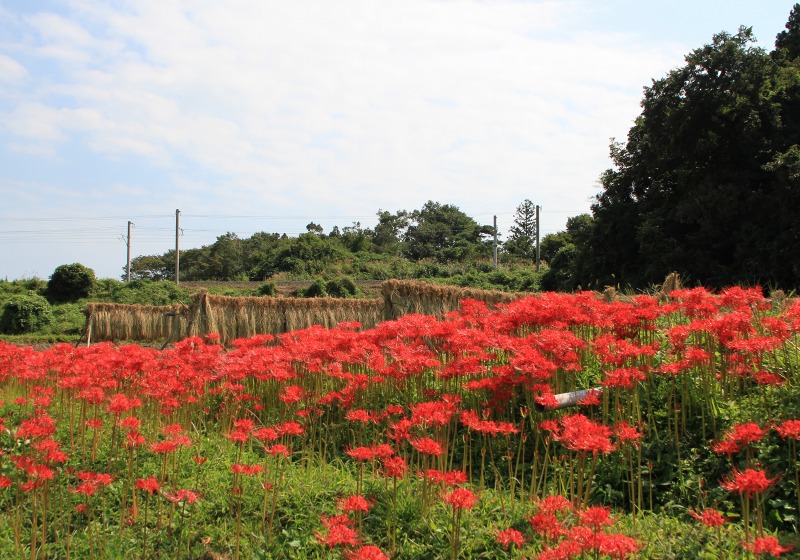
{"x": 444, "y": 233}
{"x": 699, "y": 186}
{"x": 522, "y": 235}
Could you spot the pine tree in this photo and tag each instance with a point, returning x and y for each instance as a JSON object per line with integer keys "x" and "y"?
{"x": 522, "y": 235}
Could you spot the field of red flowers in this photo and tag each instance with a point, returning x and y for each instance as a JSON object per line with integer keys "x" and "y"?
{"x": 421, "y": 438}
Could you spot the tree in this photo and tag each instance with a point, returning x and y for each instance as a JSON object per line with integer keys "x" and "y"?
{"x": 787, "y": 43}
{"x": 390, "y": 231}
{"x": 444, "y": 233}
{"x": 698, "y": 187}
{"x": 70, "y": 282}
{"x": 522, "y": 235}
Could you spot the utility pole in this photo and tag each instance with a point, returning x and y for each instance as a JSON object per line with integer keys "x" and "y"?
{"x": 538, "y": 253}
{"x": 128, "y": 243}
{"x": 495, "y": 241}
{"x": 177, "y": 246}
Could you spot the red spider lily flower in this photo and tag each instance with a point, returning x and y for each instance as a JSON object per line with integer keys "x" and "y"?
{"x": 616, "y": 545}
{"x": 148, "y": 484}
{"x": 94, "y": 423}
{"x": 199, "y": 460}
{"x": 359, "y": 415}
{"x": 243, "y": 425}
{"x": 131, "y": 422}
{"x": 120, "y": 403}
{"x": 624, "y": 378}
{"x": 426, "y": 446}
{"x": 134, "y": 439}
{"x": 163, "y": 447}
{"x": 367, "y": 552}
{"x": 626, "y": 433}
{"x": 245, "y": 469}
{"x": 361, "y": 453}
{"x": 41, "y": 426}
{"x": 592, "y": 398}
{"x": 339, "y": 532}
{"x": 507, "y": 537}
{"x": 746, "y": 433}
{"x": 596, "y": 517}
{"x": 727, "y": 447}
{"x": 749, "y": 482}
{"x": 81, "y": 508}
{"x": 460, "y": 498}
{"x": 19, "y": 401}
{"x": 581, "y": 434}
{"x": 554, "y": 504}
{"x": 710, "y": 517}
{"x": 566, "y": 549}
{"x": 395, "y": 467}
{"x": 238, "y": 436}
{"x": 278, "y": 449}
{"x": 434, "y": 413}
{"x": 181, "y": 496}
{"x": 354, "y": 503}
{"x": 547, "y": 400}
{"x": 87, "y": 488}
{"x": 768, "y": 545}
{"x": 789, "y": 429}
{"x": 290, "y": 429}
{"x": 547, "y": 524}
{"x": 292, "y": 394}
{"x": 5, "y": 482}
{"x": 266, "y": 434}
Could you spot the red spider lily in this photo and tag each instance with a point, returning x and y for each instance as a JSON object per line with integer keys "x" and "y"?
{"x": 581, "y": 434}
{"x": 710, "y": 517}
{"x": 596, "y": 517}
{"x": 461, "y": 498}
{"x": 339, "y": 532}
{"x": 616, "y": 545}
{"x": 449, "y": 478}
{"x": 5, "y": 482}
{"x": 547, "y": 524}
{"x": 554, "y": 504}
{"x": 150, "y": 485}
{"x": 41, "y": 426}
{"x": 789, "y": 429}
{"x": 395, "y": 467}
{"x": 626, "y": 433}
{"x": 359, "y": 415}
{"x": 199, "y": 460}
{"x": 278, "y": 449}
{"x": 749, "y": 482}
{"x": 435, "y": 413}
{"x": 245, "y": 469}
{"x": 87, "y": 488}
{"x": 767, "y": 545}
{"x": 471, "y": 420}
{"x": 354, "y": 503}
{"x": 367, "y": 552}
{"x": 426, "y": 446}
{"x": 131, "y": 422}
{"x": 507, "y": 537}
{"x": 163, "y": 447}
{"x": 181, "y": 496}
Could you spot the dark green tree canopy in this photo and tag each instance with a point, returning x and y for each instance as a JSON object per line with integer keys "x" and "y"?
{"x": 444, "y": 233}
{"x": 703, "y": 184}
{"x": 70, "y": 282}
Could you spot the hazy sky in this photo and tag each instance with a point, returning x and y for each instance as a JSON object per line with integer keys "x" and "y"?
{"x": 264, "y": 115}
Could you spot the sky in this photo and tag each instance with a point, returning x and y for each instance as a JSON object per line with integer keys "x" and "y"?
{"x": 266, "y": 115}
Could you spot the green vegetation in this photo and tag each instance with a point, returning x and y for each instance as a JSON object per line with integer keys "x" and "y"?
{"x": 708, "y": 182}
{"x": 70, "y": 282}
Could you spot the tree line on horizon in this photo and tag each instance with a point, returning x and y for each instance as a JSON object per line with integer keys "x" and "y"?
{"x": 706, "y": 185}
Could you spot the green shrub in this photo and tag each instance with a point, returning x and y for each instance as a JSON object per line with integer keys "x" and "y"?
{"x": 70, "y": 282}
{"x": 25, "y": 314}
{"x": 343, "y": 287}
{"x": 318, "y": 288}
{"x": 266, "y": 289}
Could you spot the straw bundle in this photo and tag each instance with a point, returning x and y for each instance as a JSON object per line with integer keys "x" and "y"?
{"x": 113, "y": 321}
{"x": 234, "y": 317}
{"x": 409, "y": 296}
{"x": 301, "y": 313}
